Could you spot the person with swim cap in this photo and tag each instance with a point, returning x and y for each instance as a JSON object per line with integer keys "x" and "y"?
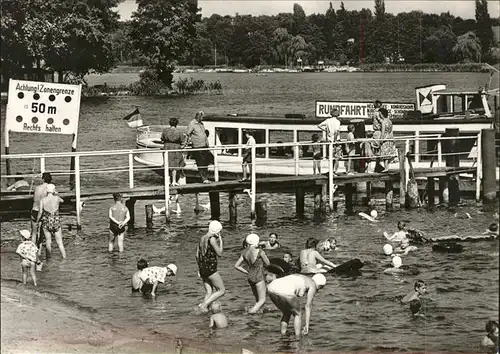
{"x": 209, "y": 248}
{"x": 397, "y": 262}
{"x": 255, "y": 259}
{"x": 286, "y": 292}
{"x": 387, "y": 249}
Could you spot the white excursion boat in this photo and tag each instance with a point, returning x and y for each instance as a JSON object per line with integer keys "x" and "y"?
{"x": 436, "y": 110}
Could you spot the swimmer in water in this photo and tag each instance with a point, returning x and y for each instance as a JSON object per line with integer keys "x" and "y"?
{"x": 397, "y": 262}
{"x": 490, "y": 340}
{"x": 492, "y": 230}
{"x": 330, "y": 244}
{"x": 119, "y": 216}
{"x": 288, "y": 258}
{"x": 286, "y": 292}
{"x": 419, "y": 289}
{"x": 310, "y": 256}
{"x": 398, "y": 236}
{"x": 405, "y": 247}
{"x": 272, "y": 243}
{"x": 217, "y": 318}
{"x": 136, "y": 277}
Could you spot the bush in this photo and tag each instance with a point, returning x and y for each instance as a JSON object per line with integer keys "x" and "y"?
{"x": 190, "y": 86}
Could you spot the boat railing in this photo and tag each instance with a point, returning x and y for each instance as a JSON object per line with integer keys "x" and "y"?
{"x": 104, "y": 163}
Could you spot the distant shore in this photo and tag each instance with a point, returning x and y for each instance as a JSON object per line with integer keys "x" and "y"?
{"x": 35, "y": 322}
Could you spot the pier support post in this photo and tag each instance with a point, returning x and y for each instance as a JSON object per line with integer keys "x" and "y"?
{"x": 488, "y": 156}
{"x": 149, "y": 216}
{"x": 348, "y": 191}
{"x": 233, "y": 212}
{"x": 317, "y": 204}
{"x": 323, "y": 204}
{"x": 451, "y": 147}
{"x": 430, "y": 192}
{"x": 402, "y": 178}
{"x": 389, "y": 196}
{"x": 359, "y": 133}
{"x": 365, "y": 201}
{"x": 299, "y": 202}
{"x": 261, "y": 212}
{"x": 214, "y": 205}
{"x": 130, "y": 204}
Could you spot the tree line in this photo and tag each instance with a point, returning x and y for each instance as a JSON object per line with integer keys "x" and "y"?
{"x": 75, "y": 37}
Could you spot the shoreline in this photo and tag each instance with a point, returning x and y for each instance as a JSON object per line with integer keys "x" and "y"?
{"x": 32, "y": 321}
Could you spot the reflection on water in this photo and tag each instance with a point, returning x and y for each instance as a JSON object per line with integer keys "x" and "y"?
{"x": 351, "y": 313}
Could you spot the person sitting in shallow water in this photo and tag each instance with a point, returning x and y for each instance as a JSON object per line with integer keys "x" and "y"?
{"x": 398, "y": 236}
{"x": 492, "y": 230}
{"x": 272, "y": 243}
{"x": 405, "y": 247}
{"x": 310, "y": 256}
{"x": 217, "y": 318}
{"x": 397, "y": 262}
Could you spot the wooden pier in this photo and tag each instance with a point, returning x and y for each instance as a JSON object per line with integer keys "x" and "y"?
{"x": 323, "y": 188}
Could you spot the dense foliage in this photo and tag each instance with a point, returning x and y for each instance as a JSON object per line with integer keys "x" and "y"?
{"x": 67, "y": 36}
{"x": 340, "y": 35}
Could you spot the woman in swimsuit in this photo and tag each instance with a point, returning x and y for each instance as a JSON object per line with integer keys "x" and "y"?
{"x": 309, "y": 256}
{"x": 206, "y": 256}
{"x": 49, "y": 216}
{"x": 255, "y": 259}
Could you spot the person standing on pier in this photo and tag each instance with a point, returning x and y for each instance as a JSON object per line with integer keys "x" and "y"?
{"x": 388, "y": 148}
{"x": 119, "y": 216}
{"x": 196, "y": 134}
{"x": 332, "y": 128}
{"x": 209, "y": 248}
{"x": 48, "y": 214}
{"x": 247, "y": 157}
{"x": 39, "y": 193}
{"x": 172, "y": 139}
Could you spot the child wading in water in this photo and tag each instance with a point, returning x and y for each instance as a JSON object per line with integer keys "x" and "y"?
{"x": 119, "y": 216}
{"x": 217, "y": 319}
{"x": 27, "y": 250}
{"x": 255, "y": 259}
{"x": 272, "y": 243}
{"x": 317, "y": 156}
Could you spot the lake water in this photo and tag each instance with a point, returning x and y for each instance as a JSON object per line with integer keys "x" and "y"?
{"x": 349, "y": 314}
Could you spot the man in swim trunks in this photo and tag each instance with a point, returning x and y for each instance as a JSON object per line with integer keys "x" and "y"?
{"x": 48, "y": 215}
{"x": 119, "y": 215}
{"x": 39, "y": 193}
{"x": 286, "y": 292}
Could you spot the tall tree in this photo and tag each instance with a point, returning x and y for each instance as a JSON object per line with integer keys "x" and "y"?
{"x": 468, "y": 48}
{"x": 299, "y": 20}
{"x": 483, "y": 25}
{"x": 164, "y": 30}
{"x": 379, "y": 10}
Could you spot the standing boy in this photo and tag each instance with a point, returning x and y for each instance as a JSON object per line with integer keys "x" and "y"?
{"x": 119, "y": 216}
{"x": 247, "y": 157}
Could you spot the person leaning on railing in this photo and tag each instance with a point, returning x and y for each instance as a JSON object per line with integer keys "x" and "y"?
{"x": 196, "y": 135}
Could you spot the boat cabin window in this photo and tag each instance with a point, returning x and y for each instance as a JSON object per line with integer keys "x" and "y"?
{"x": 280, "y": 136}
{"x": 227, "y": 136}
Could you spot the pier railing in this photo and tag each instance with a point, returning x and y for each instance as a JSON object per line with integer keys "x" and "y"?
{"x": 101, "y": 161}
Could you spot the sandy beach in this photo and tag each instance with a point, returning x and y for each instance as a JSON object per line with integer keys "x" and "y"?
{"x": 32, "y": 322}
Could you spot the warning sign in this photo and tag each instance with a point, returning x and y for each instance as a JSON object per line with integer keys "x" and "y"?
{"x": 361, "y": 110}
{"x": 43, "y": 107}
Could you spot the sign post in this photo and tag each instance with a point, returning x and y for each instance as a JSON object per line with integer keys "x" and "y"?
{"x": 42, "y": 107}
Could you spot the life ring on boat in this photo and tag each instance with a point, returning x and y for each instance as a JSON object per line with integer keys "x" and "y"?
{"x": 447, "y": 247}
{"x": 349, "y": 267}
